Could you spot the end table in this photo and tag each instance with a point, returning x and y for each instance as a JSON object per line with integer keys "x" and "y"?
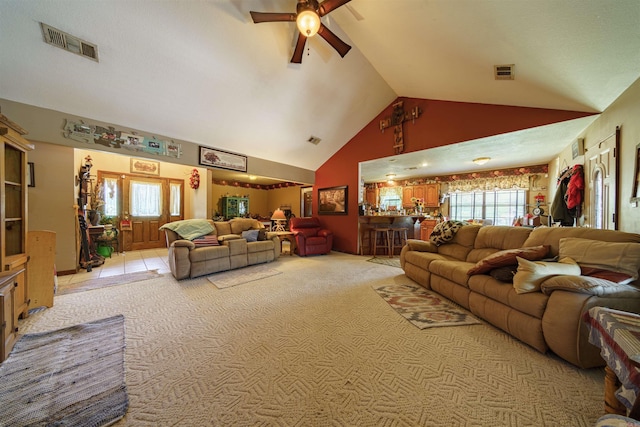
{"x": 290, "y": 237}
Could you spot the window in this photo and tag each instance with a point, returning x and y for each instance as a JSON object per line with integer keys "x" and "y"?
{"x": 174, "y": 199}
{"x": 500, "y": 206}
{"x": 110, "y": 197}
{"x": 390, "y": 196}
{"x": 145, "y": 198}
{"x": 598, "y": 199}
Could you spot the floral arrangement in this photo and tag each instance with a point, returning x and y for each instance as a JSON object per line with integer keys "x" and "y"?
{"x": 418, "y": 202}
{"x": 194, "y": 180}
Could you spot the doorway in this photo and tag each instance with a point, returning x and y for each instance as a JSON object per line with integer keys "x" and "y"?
{"x": 147, "y": 203}
{"x": 307, "y": 201}
{"x": 602, "y": 181}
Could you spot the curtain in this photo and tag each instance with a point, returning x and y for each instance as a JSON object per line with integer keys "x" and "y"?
{"x": 145, "y": 199}
{"x": 174, "y": 201}
{"x": 489, "y": 184}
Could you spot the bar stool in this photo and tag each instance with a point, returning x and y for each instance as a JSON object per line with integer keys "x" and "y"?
{"x": 380, "y": 234}
{"x": 399, "y": 235}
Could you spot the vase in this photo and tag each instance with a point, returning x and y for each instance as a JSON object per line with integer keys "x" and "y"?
{"x": 93, "y": 217}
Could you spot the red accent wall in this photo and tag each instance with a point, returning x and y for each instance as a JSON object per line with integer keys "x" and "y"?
{"x": 441, "y": 123}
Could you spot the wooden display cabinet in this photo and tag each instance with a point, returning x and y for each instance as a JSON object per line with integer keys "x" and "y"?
{"x": 233, "y": 207}
{"x": 13, "y": 230}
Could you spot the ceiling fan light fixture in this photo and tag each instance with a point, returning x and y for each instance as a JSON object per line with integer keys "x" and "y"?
{"x": 481, "y": 160}
{"x": 308, "y": 22}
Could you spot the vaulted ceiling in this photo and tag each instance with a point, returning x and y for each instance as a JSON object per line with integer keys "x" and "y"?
{"x": 203, "y": 72}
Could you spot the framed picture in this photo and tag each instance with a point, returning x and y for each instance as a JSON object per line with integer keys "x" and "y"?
{"x": 635, "y": 195}
{"x": 222, "y": 159}
{"x": 147, "y": 167}
{"x": 333, "y": 200}
{"x": 31, "y": 175}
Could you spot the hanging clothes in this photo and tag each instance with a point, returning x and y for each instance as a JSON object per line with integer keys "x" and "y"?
{"x": 558, "y": 210}
{"x": 575, "y": 189}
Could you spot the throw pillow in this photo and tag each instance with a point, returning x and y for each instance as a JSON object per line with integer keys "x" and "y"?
{"x": 444, "y": 231}
{"x": 262, "y": 234}
{"x": 504, "y": 274}
{"x": 531, "y": 274}
{"x": 208, "y": 240}
{"x": 612, "y": 276}
{"x": 508, "y": 257}
{"x": 250, "y": 235}
{"x": 614, "y": 256}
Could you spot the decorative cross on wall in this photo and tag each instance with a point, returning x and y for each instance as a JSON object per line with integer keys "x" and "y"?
{"x": 397, "y": 119}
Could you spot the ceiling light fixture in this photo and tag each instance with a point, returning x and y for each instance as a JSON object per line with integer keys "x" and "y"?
{"x": 481, "y": 160}
{"x": 308, "y": 21}
{"x": 390, "y": 177}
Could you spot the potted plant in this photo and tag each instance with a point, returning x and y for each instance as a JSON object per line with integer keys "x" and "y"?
{"x": 107, "y": 221}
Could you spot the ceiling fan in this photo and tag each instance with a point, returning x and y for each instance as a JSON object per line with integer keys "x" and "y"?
{"x": 307, "y": 18}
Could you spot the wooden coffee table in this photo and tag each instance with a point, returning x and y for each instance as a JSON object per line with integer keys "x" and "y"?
{"x": 288, "y": 236}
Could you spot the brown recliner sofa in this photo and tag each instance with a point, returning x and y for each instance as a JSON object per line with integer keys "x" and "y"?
{"x": 230, "y": 250}
{"x": 546, "y": 319}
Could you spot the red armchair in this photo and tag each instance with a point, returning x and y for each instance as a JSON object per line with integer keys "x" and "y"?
{"x": 311, "y": 238}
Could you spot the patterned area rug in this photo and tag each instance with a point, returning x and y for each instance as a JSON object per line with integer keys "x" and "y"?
{"x": 392, "y": 262}
{"x": 104, "y": 282}
{"x": 67, "y": 377}
{"x": 227, "y": 279}
{"x": 423, "y": 308}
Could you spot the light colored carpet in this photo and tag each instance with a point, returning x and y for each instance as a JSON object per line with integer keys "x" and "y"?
{"x": 103, "y": 282}
{"x": 227, "y": 279}
{"x": 423, "y": 308}
{"x": 68, "y": 377}
{"x": 392, "y": 262}
{"x": 315, "y": 346}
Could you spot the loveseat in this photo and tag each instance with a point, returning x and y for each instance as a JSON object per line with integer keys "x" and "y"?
{"x": 553, "y": 275}
{"x": 200, "y": 247}
{"x": 311, "y": 237}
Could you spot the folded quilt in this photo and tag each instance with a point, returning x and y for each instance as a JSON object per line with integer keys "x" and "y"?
{"x": 189, "y": 229}
{"x": 586, "y": 285}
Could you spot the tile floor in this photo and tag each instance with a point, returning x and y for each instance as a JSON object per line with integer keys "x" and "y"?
{"x": 123, "y": 263}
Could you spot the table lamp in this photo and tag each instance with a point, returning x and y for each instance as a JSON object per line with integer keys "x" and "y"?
{"x": 280, "y": 220}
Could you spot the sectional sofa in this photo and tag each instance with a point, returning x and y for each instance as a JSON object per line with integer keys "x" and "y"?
{"x": 200, "y": 247}
{"x": 534, "y": 284}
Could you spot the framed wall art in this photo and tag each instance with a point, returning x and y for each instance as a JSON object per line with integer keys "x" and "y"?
{"x": 31, "y": 175}
{"x": 222, "y": 159}
{"x": 333, "y": 200}
{"x": 635, "y": 195}
{"x": 147, "y": 167}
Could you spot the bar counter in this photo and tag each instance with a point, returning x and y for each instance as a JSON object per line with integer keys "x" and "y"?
{"x": 367, "y": 223}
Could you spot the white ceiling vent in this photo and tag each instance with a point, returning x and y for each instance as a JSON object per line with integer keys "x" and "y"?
{"x": 504, "y": 72}
{"x": 68, "y": 42}
{"x": 314, "y": 140}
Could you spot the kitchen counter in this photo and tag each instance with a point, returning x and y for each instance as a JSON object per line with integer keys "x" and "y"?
{"x": 366, "y": 223}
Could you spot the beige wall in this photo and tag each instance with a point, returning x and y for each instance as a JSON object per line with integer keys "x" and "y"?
{"x": 195, "y": 201}
{"x": 47, "y": 125}
{"x": 624, "y": 112}
{"x": 261, "y": 202}
{"x": 52, "y": 202}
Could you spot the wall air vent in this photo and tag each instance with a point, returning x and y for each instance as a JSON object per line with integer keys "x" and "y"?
{"x": 69, "y": 43}
{"x": 314, "y": 140}
{"x": 504, "y": 72}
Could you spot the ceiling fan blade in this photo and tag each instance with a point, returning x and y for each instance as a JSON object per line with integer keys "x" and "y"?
{"x": 259, "y": 17}
{"x": 341, "y": 47}
{"x": 299, "y": 50}
{"x": 329, "y": 5}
